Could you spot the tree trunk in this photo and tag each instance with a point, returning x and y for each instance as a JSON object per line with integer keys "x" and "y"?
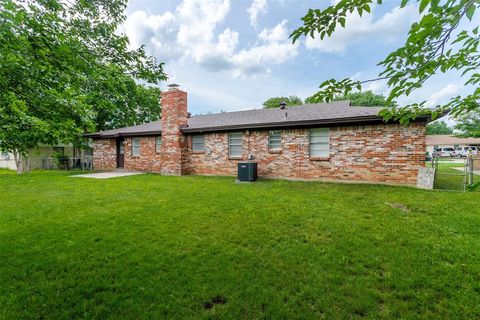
{"x": 18, "y": 161}
{"x": 27, "y": 162}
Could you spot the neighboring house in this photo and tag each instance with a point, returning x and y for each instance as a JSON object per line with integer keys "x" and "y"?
{"x": 7, "y": 161}
{"x": 42, "y": 157}
{"x": 315, "y": 141}
{"x": 449, "y": 141}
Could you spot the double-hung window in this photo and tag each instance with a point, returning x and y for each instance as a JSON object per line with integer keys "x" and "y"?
{"x": 158, "y": 144}
{"x": 235, "y": 148}
{"x": 320, "y": 142}
{"x": 275, "y": 140}
{"x": 198, "y": 143}
{"x": 135, "y": 147}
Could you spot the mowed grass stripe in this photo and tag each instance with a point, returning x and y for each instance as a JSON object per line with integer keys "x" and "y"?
{"x": 150, "y": 246}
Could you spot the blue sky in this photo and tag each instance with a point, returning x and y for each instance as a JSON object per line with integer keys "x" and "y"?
{"x": 233, "y": 55}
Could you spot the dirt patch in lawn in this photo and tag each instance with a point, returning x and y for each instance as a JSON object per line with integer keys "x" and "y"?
{"x": 214, "y": 301}
{"x": 399, "y": 206}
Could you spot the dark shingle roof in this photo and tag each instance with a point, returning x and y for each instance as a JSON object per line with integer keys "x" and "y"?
{"x": 150, "y": 128}
{"x": 308, "y": 114}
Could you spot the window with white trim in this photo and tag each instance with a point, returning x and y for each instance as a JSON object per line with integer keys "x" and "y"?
{"x": 198, "y": 143}
{"x": 135, "y": 147}
{"x": 320, "y": 142}
{"x": 235, "y": 148}
{"x": 158, "y": 144}
{"x": 275, "y": 139}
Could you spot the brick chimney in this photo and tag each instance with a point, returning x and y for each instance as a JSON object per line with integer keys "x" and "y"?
{"x": 174, "y": 117}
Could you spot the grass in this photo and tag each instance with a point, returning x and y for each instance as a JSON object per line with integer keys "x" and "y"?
{"x": 6, "y": 171}
{"x": 451, "y": 179}
{"x": 155, "y": 247}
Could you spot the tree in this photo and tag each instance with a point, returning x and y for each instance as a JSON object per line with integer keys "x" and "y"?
{"x": 434, "y": 45}
{"x": 275, "y": 102}
{"x": 60, "y": 61}
{"x": 439, "y": 127}
{"x": 120, "y": 101}
{"x": 469, "y": 125}
{"x": 366, "y": 98}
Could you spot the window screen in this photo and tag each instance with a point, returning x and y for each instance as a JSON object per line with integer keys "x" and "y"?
{"x": 275, "y": 140}
{"x": 135, "y": 147}
{"x": 158, "y": 143}
{"x": 320, "y": 142}
{"x": 198, "y": 142}
{"x": 235, "y": 144}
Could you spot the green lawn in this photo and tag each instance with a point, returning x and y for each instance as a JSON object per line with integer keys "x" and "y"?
{"x": 154, "y": 247}
{"x": 451, "y": 179}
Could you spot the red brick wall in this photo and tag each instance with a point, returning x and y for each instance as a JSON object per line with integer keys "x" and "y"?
{"x": 377, "y": 153}
{"x": 148, "y": 160}
{"x": 104, "y": 154}
{"x": 174, "y": 117}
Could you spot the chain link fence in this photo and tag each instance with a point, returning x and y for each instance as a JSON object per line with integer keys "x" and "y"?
{"x": 476, "y": 164}
{"x": 455, "y": 175}
{"x": 84, "y": 163}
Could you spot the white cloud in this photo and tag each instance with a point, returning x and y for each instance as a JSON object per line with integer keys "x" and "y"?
{"x": 257, "y": 8}
{"x": 442, "y": 95}
{"x": 159, "y": 32}
{"x": 254, "y": 60}
{"x": 277, "y": 34}
{"x": 212, "y": 92}
{"x": 389, "y": 27}
{"x": 276, "y": 49}
{"x": 198, "y": 20}
{"x": 191, "y": 32}
{"x": 378, "y": 87}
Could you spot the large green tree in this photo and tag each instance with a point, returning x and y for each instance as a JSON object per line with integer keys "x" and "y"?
{"x": 119, "y": 101}
{"x": 365, "y": 99}
{"x": 57, "y": 57}
{"x": 469, "y": 125}
{"x": 434, "y": 46}
{"x": 438, "y": 127}
{"x": 275, "y": 101}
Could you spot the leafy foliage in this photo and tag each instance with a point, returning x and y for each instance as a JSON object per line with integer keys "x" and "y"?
{"x": 433, "y": 46}
{"x": 366, "y": 99}
{"x": 275, "y": 102}
{"x": 60, "y": 63}
{"x": 439, "y": 127}
{"x": 469, "y": 125}
{"x": 61, "y": 160}
{"x": 119, "y": 101}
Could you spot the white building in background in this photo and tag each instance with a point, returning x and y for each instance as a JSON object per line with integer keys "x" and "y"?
{"x": 448, "y": 141}
{"x": 7, "y": 161}
{"x": 42, "y": 157}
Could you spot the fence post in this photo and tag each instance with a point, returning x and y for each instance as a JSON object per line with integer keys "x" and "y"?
{"x": 470, "y": 170}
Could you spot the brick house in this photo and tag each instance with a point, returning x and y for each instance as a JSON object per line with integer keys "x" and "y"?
{"x": 332, "y": 141}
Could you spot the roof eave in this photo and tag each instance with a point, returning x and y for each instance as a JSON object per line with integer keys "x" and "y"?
{"x": 443, "y": 114}
{"x": 291, "y": 124}
{"x": 374, "y": 119}
{"x": 122, "y": 134}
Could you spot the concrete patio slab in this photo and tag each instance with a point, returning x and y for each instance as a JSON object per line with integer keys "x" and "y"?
{"x": 106, "y": 175}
